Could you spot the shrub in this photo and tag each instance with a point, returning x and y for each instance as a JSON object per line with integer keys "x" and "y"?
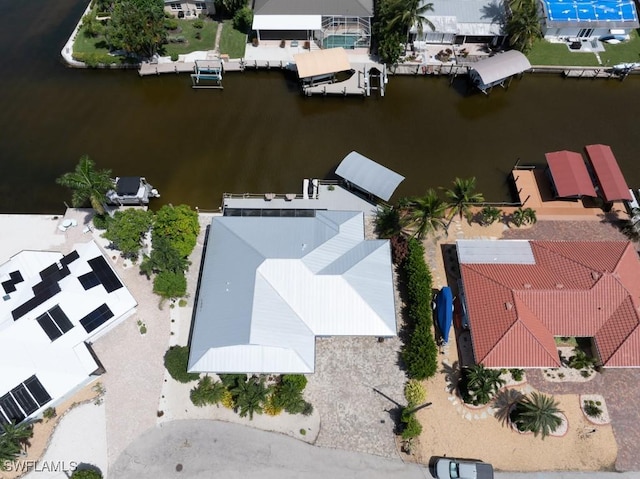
{"x": 299, "y": 381}
{"x": 174, "y": 57}
{"x": 411, "y": 426}
{"x": 101, "y": 222}
{"x": 227, "y": 400}
{"x": 198, "y": 23}
{"x": 303, "y": 432}
{"x": 86, "y": 474}
{"x": 231, "y": 381}
{"x": 49, "y": 413}
{"x": 175, "y": 361}
{"x": 207, "y": 392}
{"x": 182, "y": 303}
{"x": 414, "y": 392}
{"x": 243, "y": 19}
{"x": 517, "y": 374}
{"x": 126, "y": 230}
{"x": 170, "y": 284}
{"x": 270, "y": 408}
{"x": 171, "y": 23}
{"x": 591, "y": 409}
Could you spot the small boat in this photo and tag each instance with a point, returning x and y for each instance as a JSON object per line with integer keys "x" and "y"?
{"x": 131, "y": 190}
{"x": 444, "y": 312}
{"x": 625, "y": 66}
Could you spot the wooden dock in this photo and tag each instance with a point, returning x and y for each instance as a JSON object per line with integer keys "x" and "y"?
{"x": 147, "y": 68}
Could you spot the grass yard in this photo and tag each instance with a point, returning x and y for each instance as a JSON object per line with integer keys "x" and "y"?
{"x": 187, "y": 32}
{"x": 93, "y": 50}
{"x": 626, "y": 52}
{"x": 232, "y": 41}
{"x": 545, "y": 53}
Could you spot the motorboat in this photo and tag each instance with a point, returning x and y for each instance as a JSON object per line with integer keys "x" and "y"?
{"x": 131, "y": 190}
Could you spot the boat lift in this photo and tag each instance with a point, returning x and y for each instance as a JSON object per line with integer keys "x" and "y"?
{"x": 208, "y": 74}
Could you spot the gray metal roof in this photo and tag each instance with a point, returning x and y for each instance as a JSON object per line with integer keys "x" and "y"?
{"x": 495, "y": 252}
{"x": 467, "y": 17}
{"x": 350, "y": 8}
{"x": 270, "y": 285}
{"x": 500, "y": 66}
{"x": 368, "y": 175}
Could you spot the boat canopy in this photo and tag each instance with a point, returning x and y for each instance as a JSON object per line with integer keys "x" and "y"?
{"x": 613, "y": 186}
{"x": 322, "y": 62}
{"x": 499, "y": 67}
{"x": 368, "y": 175}
{"x": 569, "y": 174}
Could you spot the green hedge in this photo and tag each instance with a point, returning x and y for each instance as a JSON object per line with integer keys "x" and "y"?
{"x": 176, "y": 360}
{"x": 420, "y": 352}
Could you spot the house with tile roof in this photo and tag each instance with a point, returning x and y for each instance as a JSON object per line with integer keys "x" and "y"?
{"x": 518, "y": 295}
{"x": 270, "y": 285}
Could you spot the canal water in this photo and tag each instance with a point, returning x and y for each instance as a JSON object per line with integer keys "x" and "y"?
{"x": 260, "y": 135}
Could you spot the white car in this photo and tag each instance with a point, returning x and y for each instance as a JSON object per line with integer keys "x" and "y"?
{"x": 450, "y": 468}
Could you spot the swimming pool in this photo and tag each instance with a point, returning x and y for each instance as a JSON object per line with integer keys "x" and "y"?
{"x": 591, "y": 10}
{"x": 344, "y": 41}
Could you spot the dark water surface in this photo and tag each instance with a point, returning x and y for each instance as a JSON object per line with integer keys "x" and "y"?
{"x": 260, "y": 134}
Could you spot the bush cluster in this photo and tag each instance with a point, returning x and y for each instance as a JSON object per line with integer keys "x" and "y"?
{"x": 420, "y": 352}
{"x": 176, "y": 360}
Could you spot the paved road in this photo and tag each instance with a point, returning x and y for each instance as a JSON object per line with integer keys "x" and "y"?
{"x": 197, "y": 449}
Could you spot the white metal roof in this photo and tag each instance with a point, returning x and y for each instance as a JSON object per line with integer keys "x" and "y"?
{"x": 368, "y": 175}
{"x": 287, "y": 22}
{"x": 501, "y": 66}
{"x": 495, "y": 252}
{"x": 25, "y": 349}
{"x": 270, "y": 285}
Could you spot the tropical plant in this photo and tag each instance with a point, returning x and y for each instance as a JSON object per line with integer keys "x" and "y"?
{"x": 426, "y": 213}
{"x": 87, "y": 184}
{"x": 414, "y": 392}
{"x": 591, "y": 409}
{"x": 137, "y": 27}
{"x": 86, "y": 474}
{"x": 483, "y": 383}
{"x": 207, "y": 392}
{"x": 524, "y": 216}
{"x": 250, "y": 396}
{"x": 462, "y": 197}
{"x": 538, "y": 413}
{"x": 170, "y": 284}
{"x": 523, "y": 26}
{"x": 490, "y": 214}
{"x": 581, "y": 360}
{"x": 388, "y": 221}
{"x": 127, "y": 229}
{"x": 409, "y": 13}
{"x": 176, "y": 360}
{"x": 504, "y": 403}
{"x": 287, "y": 393}
{"x": 517, "y": 374}
{"x": 12, "y": 440}
{"x": 179, "y": 225}
{"x": 411, "y": 426}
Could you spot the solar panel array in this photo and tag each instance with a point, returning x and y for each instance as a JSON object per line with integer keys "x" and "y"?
{"x": 105, "y": 274}
{"x": 23, "y": 400}
{"x": 55, "y": 323}
{"x": 96, "y": 318}
{"x": 89, "y": 280}
{"x": 10, "y": 284}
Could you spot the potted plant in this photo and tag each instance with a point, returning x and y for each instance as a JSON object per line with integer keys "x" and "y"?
{"x": 283, "y": 43}
{"x": 307, "y": 45}
{"x": 255, "y": 42}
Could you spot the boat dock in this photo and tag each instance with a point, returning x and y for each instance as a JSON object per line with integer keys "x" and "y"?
{"x": 367, "y": 77}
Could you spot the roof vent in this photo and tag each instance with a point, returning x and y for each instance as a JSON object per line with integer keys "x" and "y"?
{"x": 559, "y": 285}
{"x": 595, "y": 275}
{"x": 508, "y": 306}
{"x": 527, "y": 286}
{"x": 6, "y": 297}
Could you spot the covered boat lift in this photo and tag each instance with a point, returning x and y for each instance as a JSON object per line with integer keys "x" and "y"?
{"x": 493, "y": 71}
{"x": 368, "y": 176}
{"x": 613, "y": 186}
{"x": 569, "y": 175}
{"x": 321, "y": 66}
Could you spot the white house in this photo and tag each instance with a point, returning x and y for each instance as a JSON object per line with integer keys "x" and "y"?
{"x": 189, "y": 8}
{"x": 270, "y": 285}
{"x": 53, "y": 307}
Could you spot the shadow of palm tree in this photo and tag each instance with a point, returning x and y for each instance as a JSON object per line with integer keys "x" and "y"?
{"x": 452, "y": 376}
{"x": 504, "y": 402}
{"x": 496, "y": 12}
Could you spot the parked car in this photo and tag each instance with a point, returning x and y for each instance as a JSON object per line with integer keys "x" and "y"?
{"x": 450, "y": 468}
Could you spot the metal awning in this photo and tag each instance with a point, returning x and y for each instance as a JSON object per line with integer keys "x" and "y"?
{"x": 287, "y": 22}
{"x": 569, "y": 174}
{"x": 501, "y": 66}
{"x": 368, "y": 175}
{"x": 321, "y": 62}
{"x": 613, "y": 186}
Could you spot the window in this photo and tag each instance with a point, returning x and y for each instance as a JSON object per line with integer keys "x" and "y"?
{"x": 176, "y": 6}
{"x": 200, "y": 6}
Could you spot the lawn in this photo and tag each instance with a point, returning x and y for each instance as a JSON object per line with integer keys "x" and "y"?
{"x": 93, "y": 50}
{"x": 626, "y": 52}
{"x": 232, "y": 41}
{"x": 545, "y": 53}
{"x": 187, "y": 32}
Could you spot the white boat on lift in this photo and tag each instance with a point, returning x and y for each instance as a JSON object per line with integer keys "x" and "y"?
{"x": 131, "y": 190}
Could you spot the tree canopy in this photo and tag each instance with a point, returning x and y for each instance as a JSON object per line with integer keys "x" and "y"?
{"x": 87, "y": 184}
{"x": 179, "y": 225}
{"x": 127, "y": 228}
{"x": 137, "y": 27}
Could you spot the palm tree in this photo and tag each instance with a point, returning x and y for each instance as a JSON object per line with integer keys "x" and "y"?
{"x": 87, "y": 184}
{"x": 523, "y": 26}
{"x": 483, "y": 383}
{"x": 427, "y": 213}
{"x": 462, "y": 196}
{"x": 504, "y": 402}
{"x": 251, "y": 396}
{"x": 13, "y": 439}
{"x": 490, "y": 214}
{"x": 388, "y": 221}
{"x": 207, "y": 392}
{"x": 524, "y": 217}
{"x": 409, "y": 13}
{"x": 538, "y": 413}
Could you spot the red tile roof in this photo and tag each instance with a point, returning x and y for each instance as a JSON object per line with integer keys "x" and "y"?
{"x": 570, "y": 175}
{"x": 613, "y": 186}
{"x": 582, "y": 289}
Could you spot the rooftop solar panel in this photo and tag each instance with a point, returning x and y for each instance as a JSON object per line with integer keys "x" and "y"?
{"x": 49, "y": 270}
{"x": 89, "y": 280}
{"x": 37, "y": 390}
{"x": 11, "y": 410}
{"x": 71, "y": 257}
{"x": 37, "y": 300}
{"x": 60, "y": 319}
{"x": 106, "y": 275}
{"x": 49, "y": 327}
{"x": 96, "y": 318}
{"x": 16, "y": 277}
{"x": 8, "y": 286}
{"x": 24, "y": 399}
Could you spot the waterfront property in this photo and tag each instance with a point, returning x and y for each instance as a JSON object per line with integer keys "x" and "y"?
{"x": 54, "y": 306}
{"x": 578, "y": 21}
{"x": 189, "y": 8}
{"x": 496, "y": 70}
{"x": 329, "y": 24}
{"x": 463, "y": 21}
{"x": 518, "y": 295}
{"x": 131, "y": 190}
{"x": 271, "y": 284}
